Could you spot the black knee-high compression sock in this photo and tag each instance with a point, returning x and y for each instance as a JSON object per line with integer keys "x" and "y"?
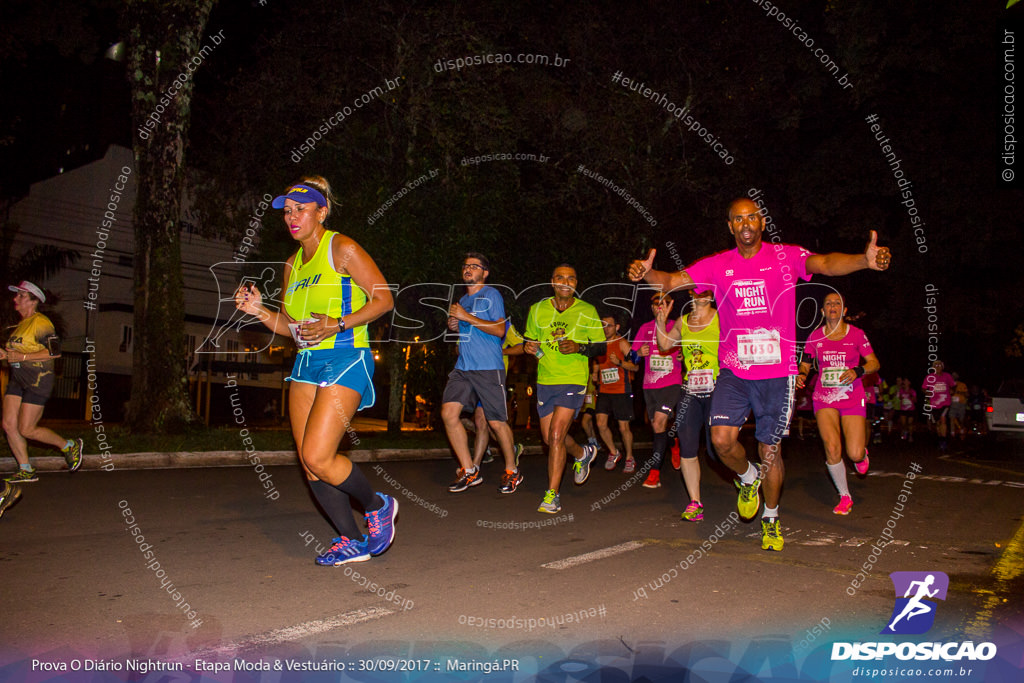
{"x": 338, "y": 508}
{"x": 359, "y": 488}
{"x": 660, "y": 448}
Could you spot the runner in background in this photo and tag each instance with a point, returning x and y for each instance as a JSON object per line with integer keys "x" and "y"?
{"x": 564, "y": 333}
{"x": 589, "y": 407}
{"x": 890, "y": 401}
{"x": 615, "y": 394}
{"x": 937, "y": 388}
{"x": 479, "y": 375}
{"x": 483, "y": 434}
{"x": 30, "y": 352}
{"x": 663, "y": 376}
{"x": 958, "y": 409}
{"x": 698, "y": 334}
{"x": 907, "y": 402}
{"x": 839, "y": 395}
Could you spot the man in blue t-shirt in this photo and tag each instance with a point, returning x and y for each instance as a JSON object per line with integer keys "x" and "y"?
{"x": 479, "y": 374}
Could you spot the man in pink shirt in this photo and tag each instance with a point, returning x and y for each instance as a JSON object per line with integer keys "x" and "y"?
{"x": 755, "y": 285}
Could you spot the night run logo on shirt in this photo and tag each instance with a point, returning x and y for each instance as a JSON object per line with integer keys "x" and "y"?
{"x": 750, "y": 297}
{"x": 833, "y": 358}
{"x": 300, "y": 284}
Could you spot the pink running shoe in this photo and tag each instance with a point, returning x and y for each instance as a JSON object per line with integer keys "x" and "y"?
{"x": 862, "y": 466}
{"x": 845, "y": 503}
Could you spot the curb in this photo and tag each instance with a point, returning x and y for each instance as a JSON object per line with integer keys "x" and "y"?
{"x": 198, "y": 459}
{"x": 182, "y": 460}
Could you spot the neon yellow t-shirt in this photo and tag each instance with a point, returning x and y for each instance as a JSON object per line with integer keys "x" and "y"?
{"x": 579, "y": 323}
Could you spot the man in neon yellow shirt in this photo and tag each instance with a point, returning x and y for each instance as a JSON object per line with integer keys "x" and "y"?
{"x": 563, "y": 332}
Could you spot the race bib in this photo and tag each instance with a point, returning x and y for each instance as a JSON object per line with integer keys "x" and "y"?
{"x": 830, "y": 377}
{"x": 700, "y": 381}
{"x": 609, "y": 375}
{"x": 759, "y": 348}
{"x": 660, "y": 363}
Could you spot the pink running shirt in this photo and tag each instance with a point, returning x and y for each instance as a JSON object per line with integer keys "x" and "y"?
{"x": 756, "y": 306}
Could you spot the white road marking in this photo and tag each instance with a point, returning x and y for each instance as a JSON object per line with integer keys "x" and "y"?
{"x": 951, "y": 480}
{"x": 291, "y": 633}
{"x": 596, "y": 555}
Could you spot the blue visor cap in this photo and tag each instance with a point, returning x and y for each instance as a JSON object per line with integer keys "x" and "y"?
{"x": 303, "y": 194}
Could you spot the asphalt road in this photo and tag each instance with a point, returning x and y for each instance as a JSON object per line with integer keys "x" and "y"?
{"x": 614, "y": 580}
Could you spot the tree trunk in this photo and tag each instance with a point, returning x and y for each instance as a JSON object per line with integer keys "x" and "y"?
{"x": 396, "y": 370}
{"x": 163, "y": 39}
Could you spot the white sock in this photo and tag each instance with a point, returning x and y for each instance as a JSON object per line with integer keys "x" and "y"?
{"x": 770, "y": 513}
{"x": 750, "y": 476}
{"x": 838, "y": 473}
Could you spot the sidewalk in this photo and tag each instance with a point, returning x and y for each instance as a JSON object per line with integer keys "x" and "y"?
{"x": 240, "y": 458}
{"x": 161, "y": 461}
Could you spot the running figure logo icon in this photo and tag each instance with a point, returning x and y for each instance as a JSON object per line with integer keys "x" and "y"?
{"x": 914, "y": 612}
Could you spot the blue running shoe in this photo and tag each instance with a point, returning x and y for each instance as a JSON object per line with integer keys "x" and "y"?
{"x": 343, "y": 551}
{"x": 381, "y": 523}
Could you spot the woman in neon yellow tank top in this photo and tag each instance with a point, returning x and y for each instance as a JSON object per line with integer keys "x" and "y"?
{"x": 332, "y": 290}
{"x": 698, "y": 333}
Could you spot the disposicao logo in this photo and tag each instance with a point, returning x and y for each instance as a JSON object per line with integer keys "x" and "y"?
{"x": 916, "y": 592}
{"x": 914, "y": 613}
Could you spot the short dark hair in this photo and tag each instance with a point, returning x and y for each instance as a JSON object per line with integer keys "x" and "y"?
{"x": 479, "y": 257}
{"x": 618, "y": 315}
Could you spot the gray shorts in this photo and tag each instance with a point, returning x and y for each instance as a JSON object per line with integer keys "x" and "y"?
{"x": 478, "y": 387}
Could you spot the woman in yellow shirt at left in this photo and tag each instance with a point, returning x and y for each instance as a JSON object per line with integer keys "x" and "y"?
{"x": 31, "y": 350}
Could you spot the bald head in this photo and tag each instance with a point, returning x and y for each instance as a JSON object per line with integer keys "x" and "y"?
{"x": 742, "y": 205}
{"x": 746, "y": 222}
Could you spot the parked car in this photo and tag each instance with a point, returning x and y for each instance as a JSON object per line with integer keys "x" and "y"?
{"x": 1005, "y": 412}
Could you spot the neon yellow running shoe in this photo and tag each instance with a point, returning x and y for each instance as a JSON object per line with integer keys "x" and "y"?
{"x": 551, "y": 503}
{"x": 771, "y": 534}
{"x": 749, "y": 500}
